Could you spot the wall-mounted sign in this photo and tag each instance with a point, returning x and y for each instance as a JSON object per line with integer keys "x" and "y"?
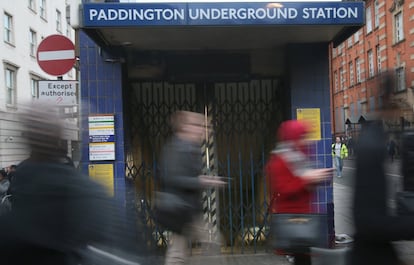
{"x": 101, "y": 137}
{"x": 312, "y": 116}
{"x": 62, "y": 93}
{"x": 104, "y": 175}
{"x": 223, "y": 14}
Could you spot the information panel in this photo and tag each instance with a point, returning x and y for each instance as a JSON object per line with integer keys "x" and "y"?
{"x": 313, "y": 117}
{"x": 101, "y": 137}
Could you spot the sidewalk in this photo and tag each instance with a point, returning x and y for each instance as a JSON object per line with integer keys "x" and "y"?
{"x": 344, "y": 224}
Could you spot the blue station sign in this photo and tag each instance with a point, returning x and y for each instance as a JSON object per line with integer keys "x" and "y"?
{"x": 222, "y": 14}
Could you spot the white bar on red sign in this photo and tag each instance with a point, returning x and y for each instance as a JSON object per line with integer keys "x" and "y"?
{"x": 56, "y": 55}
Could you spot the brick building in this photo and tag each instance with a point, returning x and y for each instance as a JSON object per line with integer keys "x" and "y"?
{"x": 385, "y": 43}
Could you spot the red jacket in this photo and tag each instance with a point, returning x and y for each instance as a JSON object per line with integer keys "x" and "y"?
{"x": 289, "y": 193}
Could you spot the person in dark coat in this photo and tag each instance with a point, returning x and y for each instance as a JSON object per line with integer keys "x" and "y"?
{"x": 57, "y": 212}
{"x": 375, "y": 228}
{"x": 181, "y": 176}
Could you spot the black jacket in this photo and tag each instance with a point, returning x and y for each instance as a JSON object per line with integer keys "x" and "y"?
{"x": 180, "y": 168}
{"x": 375, "y": 228}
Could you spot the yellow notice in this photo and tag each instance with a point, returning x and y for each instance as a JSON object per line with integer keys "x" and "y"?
{"x": 104, "y": 175}
{"x": 313, "y": 117}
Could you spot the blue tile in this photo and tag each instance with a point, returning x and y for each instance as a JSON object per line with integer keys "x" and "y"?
{"x": 93, "y": 90}
{"x": 118, "y": 105}
{"x": 120, "y": 169}
{"x": 92, "y": 71}
{"x": 93, "y": 105}
{"x": 101, "y": 73}
{"x": 93, "y": 55}
{"x": 109, "y": 106}
{"x": 119, "y": 122}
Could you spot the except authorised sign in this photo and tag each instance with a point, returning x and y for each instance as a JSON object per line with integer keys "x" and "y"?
{"x": 56, "y": 55}
{"x": 62, "y": 93}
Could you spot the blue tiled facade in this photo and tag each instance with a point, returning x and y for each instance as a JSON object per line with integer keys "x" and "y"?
{"x": 101, "y": 93}
{"x": 308, "y": 79}
{"x": 308, "y": 66}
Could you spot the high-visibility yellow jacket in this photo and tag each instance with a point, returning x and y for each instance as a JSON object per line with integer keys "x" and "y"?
{"x": 344, "y": 151}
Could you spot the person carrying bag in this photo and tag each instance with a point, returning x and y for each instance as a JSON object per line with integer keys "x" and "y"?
{"x": 294, "y": 227}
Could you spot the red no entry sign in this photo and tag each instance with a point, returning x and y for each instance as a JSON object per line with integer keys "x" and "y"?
{"x": 56, "y": 55}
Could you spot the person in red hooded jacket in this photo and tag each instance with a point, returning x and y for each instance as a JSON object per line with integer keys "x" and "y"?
{"x": 291, "y": 179}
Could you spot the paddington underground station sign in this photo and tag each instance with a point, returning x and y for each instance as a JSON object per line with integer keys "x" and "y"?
{"x": 210, "y": 14}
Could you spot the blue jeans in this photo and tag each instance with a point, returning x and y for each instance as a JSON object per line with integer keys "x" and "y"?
{"x": 338, "y": 165}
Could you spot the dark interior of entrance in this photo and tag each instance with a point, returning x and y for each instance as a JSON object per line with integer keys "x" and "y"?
{"x": 244, "y": 103}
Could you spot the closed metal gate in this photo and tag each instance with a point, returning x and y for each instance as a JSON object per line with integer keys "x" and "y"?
{"x": 244, "y": 117}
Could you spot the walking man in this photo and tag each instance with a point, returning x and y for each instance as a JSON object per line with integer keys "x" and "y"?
{"x": 339, "y": 152}
{"x": 180, "y": 174}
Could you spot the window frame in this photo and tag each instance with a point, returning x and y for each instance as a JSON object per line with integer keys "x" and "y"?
{"x": 368, "y": 15}
{"x": 376, "y": 14}
{"x": 400, "y": 79}
{"x": 11, "y": 88}
{"x": 8, "y": 28}
{"x": 34, "y": 86}
{"x": 32, "y": 5}
{"x": 43, "y": 9}
{"x": 351, "y": 73}
{"x": 342, "y": 78}
{"x": 379, "y": 62}
{"x": 358, "y": 70}
{"x": 58, "y": 21}
{"x": 33, "y": 42}
{"x": 398, "y": 27}
{"x": 371, "y": 69}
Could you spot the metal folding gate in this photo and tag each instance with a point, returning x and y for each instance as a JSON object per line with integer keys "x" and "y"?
{"x": 244, "y": 117}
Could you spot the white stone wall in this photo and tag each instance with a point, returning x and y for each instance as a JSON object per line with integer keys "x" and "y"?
{"x": 12, "y": 147}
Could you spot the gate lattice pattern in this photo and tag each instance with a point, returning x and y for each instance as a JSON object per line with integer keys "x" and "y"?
{"x": 244, "y": 118}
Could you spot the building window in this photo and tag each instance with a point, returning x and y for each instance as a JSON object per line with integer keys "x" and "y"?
{"x": 399, "y": 27}
{"x": 10, "y": 84}
{"x": 368, "y": 19}
{"x": 68, "y": 31}
{"x": 376, "y": 14}
{"x": 342, "y": 77}
{"x": 351, "y": 73}
{"x": 33, "y": 42}
{"x": 42, "y": 7}
{"x": 358, "y": 70}
{"x": 58, "y": 21}
{"x": 351, "y": 110}
{"x": 8, "y": 28}
{"x": 378, "y": 50}
{"x": 336, "y": 81}
{"x": 333, "y": 52}
{"x": 371, "y": 71}
{"x": 32, "y": 5}
{"x": 349, "y": 42}
{"x": 400, "y": 79}
{"x": 34, "y": 86}
{"x": 356, "y": 36}
{"x": 372, "y": 103}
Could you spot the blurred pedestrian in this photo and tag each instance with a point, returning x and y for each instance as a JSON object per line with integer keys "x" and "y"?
{"x": 375, "y": 227}
{"x": 350, "y": 146}
{"x": 180, "y": 175}
{"x": 291, "y": 179}
{"x": 56, "y": 211}
{"x": 391, "y": 148}
{"x": 5, "y": 205}
{"x": 10, "y": 172}
{"x": 339, "y": 153}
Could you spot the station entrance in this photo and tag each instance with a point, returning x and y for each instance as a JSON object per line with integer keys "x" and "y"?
{"x": 243, "y": 113}
{"x": 245, "y": 74}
